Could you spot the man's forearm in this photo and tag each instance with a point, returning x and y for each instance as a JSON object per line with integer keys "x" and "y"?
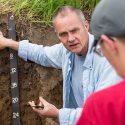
{"x": 12, "y": 44}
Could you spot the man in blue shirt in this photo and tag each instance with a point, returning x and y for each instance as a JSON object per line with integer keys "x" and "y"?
{"x": 84, "y": 72}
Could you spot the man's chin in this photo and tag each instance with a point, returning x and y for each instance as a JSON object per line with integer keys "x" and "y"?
{"x": 76, "y": 52}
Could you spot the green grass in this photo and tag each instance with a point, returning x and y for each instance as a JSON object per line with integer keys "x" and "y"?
{"x": 43, "y": 10}
{"x": 89, "y": 4}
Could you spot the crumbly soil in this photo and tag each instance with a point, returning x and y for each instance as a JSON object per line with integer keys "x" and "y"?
{"x": 34, "y": 80}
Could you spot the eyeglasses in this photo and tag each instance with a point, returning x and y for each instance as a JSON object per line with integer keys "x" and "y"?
{"x": 97, "y": 47}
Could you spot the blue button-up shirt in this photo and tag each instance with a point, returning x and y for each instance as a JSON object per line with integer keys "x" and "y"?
{"x": 97, "y": 73}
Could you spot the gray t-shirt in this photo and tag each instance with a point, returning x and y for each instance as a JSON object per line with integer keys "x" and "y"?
{"x": 77, "y": 79}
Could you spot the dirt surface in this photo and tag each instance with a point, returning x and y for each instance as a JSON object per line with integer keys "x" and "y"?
{"x": 34, "y": 80}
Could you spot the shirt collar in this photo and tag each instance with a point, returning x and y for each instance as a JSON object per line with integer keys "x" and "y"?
{"x": 89, "y": 56}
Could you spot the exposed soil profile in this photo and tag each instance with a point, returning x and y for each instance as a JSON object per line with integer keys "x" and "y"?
{"x": 34, "y": 80}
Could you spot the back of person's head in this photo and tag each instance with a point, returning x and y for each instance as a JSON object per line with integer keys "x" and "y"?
{"x": 65, "y": 10}
{"x": 109, "y": 18}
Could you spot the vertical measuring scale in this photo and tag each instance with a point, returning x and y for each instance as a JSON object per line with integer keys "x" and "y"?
{"x": 14, "y": 73}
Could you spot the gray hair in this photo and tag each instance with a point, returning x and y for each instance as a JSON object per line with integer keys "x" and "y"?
{"x": 62, "y": 12}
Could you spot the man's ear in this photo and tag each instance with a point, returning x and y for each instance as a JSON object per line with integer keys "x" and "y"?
{"x": 86, "y": 24}
{"x": 109, "y": 43}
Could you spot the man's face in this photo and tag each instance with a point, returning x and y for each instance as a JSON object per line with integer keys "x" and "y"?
{"x": 72, "y": 33}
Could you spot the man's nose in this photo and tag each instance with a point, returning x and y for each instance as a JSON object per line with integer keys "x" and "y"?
{"x": 71, "y": 38}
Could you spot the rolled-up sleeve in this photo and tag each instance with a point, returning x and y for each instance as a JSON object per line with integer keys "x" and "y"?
{"x": 45, "y": 56}
{"x": 69, "y": 116}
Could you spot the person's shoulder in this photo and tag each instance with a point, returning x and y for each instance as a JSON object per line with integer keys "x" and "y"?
{"x": 97, "y": 98}
{"x": 108, "y": 92}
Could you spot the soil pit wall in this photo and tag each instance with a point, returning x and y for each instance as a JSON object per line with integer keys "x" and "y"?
{"x": 34, "y": 80}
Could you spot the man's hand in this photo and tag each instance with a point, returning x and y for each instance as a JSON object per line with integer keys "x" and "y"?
{"x": 48, "y": 109}
{"x": 2, "y": 39}
{"x": 4, "y": 42}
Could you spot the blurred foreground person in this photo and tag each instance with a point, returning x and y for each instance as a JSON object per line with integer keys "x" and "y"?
{"x": 107, "y": 107}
